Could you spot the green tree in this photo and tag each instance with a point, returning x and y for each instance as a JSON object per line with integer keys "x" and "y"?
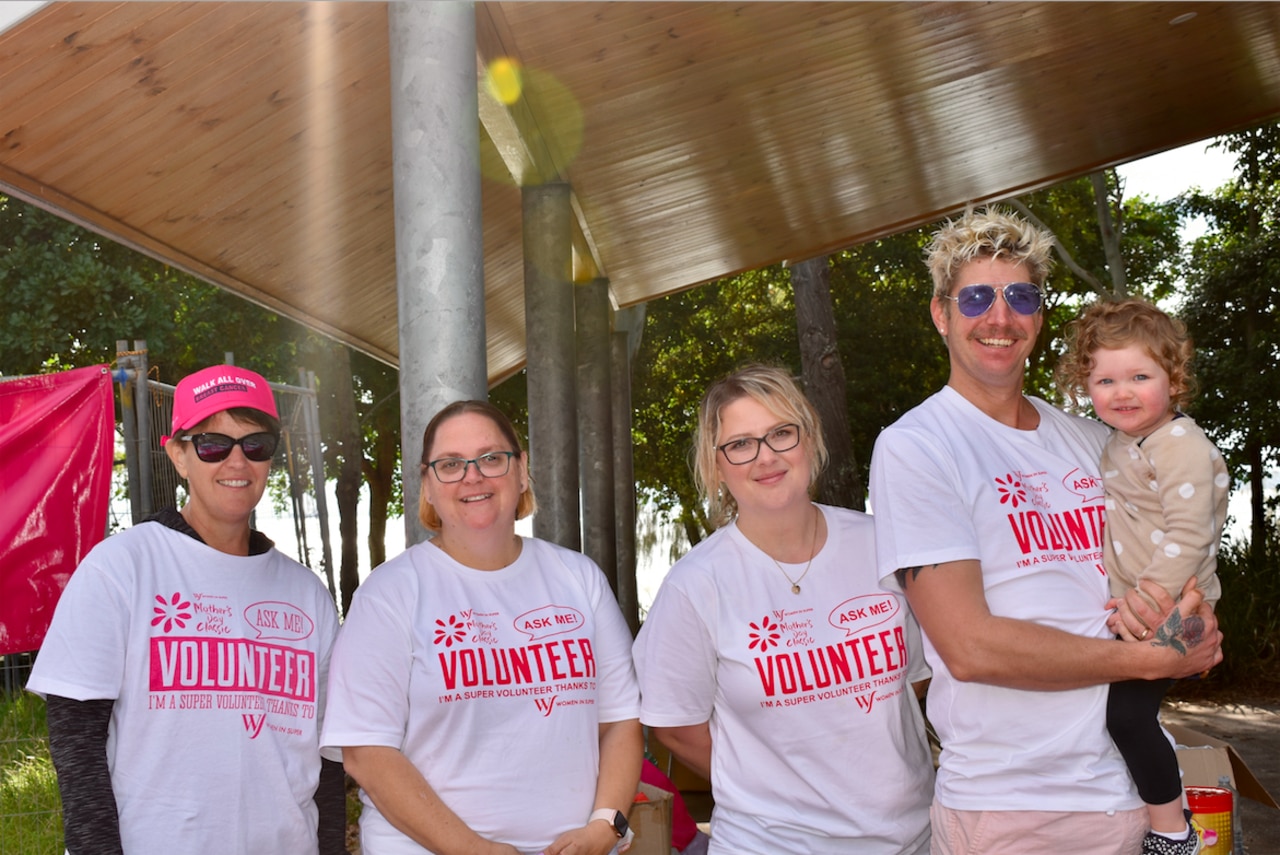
{"x": 691, "y": 339}
{"x": 891, "y": 355}
{"x": 892, "y": 359}
{"x": 378, "y": 404}
{"x": 1231, "y": 306}
{"x": 68, "y": 294}
{"x": 1097, "y": 229}
{"x": 71, "y": 294}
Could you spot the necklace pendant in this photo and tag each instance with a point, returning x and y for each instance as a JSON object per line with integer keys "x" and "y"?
{"x": 795, "y": 589}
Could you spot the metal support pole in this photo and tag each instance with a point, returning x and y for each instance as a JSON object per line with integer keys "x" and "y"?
{"x": 549, "y": 343}
{"x": 595, "y": 427}
{"x": 125, "y": 379}
{"x": 435, "y": 143}
{"x": 142, "y": 404}
{"x": 628, "y": 324}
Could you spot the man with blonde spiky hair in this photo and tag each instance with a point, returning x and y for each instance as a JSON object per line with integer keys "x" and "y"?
{"x": 989, "y": 517}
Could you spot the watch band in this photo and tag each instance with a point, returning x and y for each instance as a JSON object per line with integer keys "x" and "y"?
{"x": 615, "y": 818}
{"x": 618, "y": 823}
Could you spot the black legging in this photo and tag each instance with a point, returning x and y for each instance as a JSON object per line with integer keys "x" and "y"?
{"x": 1133, "y": 718}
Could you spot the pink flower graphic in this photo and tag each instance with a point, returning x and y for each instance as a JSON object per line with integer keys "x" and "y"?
{"x": 172, "y": 611}
{"x": 765, "y": 635}
{"x": 1010, "y": 489}
{"x": 448, "y": 633}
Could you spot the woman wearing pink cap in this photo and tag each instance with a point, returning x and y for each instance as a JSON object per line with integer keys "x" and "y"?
{"x": 186, "y": 664}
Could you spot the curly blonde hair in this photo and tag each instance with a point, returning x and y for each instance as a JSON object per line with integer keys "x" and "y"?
{"x": 987, "y": 233}
{"x": 774, "y": 389}
{"x": 1115, "y": 324}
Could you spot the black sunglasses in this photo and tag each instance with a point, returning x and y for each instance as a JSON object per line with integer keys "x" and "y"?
{"x": 974, "y": 301}
{"x": 216, "y": 447}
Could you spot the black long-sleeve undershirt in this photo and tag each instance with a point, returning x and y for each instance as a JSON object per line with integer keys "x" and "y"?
{"x": 78, "y": 745}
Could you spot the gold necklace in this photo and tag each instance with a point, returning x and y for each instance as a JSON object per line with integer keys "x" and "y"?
{"x": 795, "y": 583}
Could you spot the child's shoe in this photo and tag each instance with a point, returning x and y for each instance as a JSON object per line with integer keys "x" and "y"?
{"x": 1155, "y": 844}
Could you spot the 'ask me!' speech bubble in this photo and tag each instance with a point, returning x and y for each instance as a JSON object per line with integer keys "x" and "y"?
{"x": 858, "y": 614}
{"x": 283, "y": 621}
{"x": 548, "y": 620}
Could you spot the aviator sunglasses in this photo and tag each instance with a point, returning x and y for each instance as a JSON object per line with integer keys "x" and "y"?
{"x": 974, "y": 301}
{"x": 216, "y": 447}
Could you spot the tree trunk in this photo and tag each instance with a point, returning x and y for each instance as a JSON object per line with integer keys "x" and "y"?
{"x": 692, "y": 530}
{"x": 347, "y": 445}
{"x": 824, "y": 381}
{"x": 380, "y": 475}
{"x": 1110, "y": 235}
{"x": 1257, "y": 506}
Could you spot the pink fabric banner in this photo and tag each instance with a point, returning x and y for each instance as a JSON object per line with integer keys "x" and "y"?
{"x": 57, "y": 440}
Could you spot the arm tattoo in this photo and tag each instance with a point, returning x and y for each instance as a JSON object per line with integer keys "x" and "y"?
{"x": 906, "y": 573}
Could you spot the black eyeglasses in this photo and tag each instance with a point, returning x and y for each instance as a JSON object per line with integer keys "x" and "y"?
{"x": 450, "y": 470}
{"x": 747, "y": 448}
{"x": 216, "y": 447}
{"x": 974, "y": 301}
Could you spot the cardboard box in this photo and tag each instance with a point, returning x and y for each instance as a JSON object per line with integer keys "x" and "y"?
{"x": 1205, "y": 761}
{"x": 651, "y": 821}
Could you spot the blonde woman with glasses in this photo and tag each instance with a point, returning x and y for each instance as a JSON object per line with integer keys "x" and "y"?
{"x": 772, "y": 662}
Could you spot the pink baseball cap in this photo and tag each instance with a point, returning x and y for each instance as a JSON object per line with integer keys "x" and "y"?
{"x": 216, "y": 388}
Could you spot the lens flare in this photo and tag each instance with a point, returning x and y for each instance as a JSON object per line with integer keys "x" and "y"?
{"x": 556, "y": 131}
{"x": 503, "y": 80}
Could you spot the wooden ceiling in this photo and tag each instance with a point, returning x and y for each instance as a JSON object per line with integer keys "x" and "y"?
{"x": 249, "y": 142}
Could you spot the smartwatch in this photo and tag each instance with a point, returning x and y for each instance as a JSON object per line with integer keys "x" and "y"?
{"x": 617, "y": 820}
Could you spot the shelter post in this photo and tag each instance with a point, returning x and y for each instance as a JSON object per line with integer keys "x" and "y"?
{"x": 439, "y": 231}
{"x": 552, "y": 372}
{"x": 627, "y": 324}
{"x": 595, "y": 430}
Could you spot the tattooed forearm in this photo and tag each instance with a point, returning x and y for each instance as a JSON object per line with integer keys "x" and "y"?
{"x": 911, "y": 573}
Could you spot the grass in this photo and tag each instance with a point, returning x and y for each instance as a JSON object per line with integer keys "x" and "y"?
{"x": 30, "y": 809}
{"x": 354, "y": 807}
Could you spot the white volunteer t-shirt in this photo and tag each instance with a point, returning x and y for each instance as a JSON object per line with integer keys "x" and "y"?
{"x": 218, "y": 666}
{"x": 492, "y": 683}
{"x": 949, "y": 483}
{"x": 817, "y": 739}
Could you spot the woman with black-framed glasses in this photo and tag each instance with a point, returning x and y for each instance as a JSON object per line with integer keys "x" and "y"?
{"x": 482, "y": 690}
{"x": 772, "y": 662}
{"x": 186, "y": 664}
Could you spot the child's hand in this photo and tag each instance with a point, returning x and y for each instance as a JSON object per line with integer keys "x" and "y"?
{"x": 1188, "y": 627}
{"x": 1134, "y": 618}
